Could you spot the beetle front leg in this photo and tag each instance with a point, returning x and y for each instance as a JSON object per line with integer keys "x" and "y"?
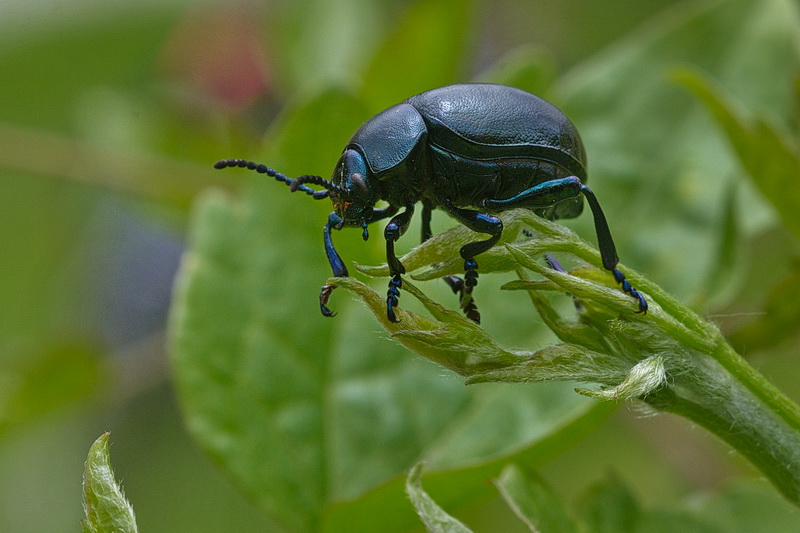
{"x": 335, "y": 260}
{"x": 396, "y": 227}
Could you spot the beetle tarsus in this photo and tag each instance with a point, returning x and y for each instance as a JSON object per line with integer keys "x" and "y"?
{"x": 470, "y": 274}
{"x": 465, "y": 299}
{"x": 395, "y": 284}
{"x": 619, "y": 277}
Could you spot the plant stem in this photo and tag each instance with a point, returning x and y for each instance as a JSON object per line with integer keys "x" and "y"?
{"x": 748, "y": 414}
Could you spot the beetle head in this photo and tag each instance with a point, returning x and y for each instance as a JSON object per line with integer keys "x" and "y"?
{"x": 353, "y": 195}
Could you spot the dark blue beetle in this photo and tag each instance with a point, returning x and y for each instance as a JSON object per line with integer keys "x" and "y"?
{"x": 471, "y": 150}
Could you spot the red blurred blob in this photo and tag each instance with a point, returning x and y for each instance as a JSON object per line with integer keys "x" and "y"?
{"x": 217, "y": 54}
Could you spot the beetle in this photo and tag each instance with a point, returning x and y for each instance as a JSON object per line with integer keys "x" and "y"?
{"x": 472, "y": 150}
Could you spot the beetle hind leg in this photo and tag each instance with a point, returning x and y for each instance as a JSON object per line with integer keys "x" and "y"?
{"x": 608, "y": 251}
{"x": 551, "y": 192}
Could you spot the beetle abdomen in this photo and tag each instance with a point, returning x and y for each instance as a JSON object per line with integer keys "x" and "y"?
{"x": 468, "y": 182}
{"x": 487, "y": 121}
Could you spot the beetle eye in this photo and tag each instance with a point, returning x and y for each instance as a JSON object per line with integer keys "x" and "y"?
{"x": 358, "y": 180}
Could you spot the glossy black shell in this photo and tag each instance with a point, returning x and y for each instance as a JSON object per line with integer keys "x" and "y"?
{"x": 471, "y": 142}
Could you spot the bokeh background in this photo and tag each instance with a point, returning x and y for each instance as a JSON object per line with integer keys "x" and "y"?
{"x": 111, "y": 113}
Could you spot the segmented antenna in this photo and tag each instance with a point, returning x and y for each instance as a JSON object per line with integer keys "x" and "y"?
{"x": 314, "y": 180}
{"x": 293, "y": 183}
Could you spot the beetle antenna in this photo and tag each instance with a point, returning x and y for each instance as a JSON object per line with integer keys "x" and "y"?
{"x": 315, "y": 180}
{"x": 293, "y": 183}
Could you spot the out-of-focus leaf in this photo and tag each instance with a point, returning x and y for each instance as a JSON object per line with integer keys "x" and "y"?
{"x": 747, "y": 506}
{"x": 122, "y": 45}
{"x": 769, "y": 155}
{"x": 325, "y": 43}
{"x": 423, "y": 51}
{"x": 781, "y": 317}
{"x": 727, "y": 259}
{"x": 39, "y": 221}
{"x": 530, "y": 68}
{"x": 534, "y": 503}
{"x": 309, "y": 136}
{"x": 464, "y": 486}
{"x": 435, "y": 518}
{"x": 609, "y": 507}
{"x": 250, "y": 392}
{"x": 653, "y": 159}
{"x": 64, "y": 375}
{"x": 107, "y": 510}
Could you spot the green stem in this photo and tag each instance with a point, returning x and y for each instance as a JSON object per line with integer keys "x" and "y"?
{"x": 765, "y": 391}
{"x": 744, "y": 410}
{"x": 709, "y": 383}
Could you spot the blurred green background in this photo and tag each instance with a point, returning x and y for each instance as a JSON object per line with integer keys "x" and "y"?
{"x": 112, "y": 112}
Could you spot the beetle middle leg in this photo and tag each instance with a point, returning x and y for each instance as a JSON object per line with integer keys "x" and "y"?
{"x": 396, "y": 227}
{"x": 454, "y": 282}
{"x": 481, "y": 223}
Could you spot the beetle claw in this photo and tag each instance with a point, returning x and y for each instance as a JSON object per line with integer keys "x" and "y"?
{"x": 324, "y": 296}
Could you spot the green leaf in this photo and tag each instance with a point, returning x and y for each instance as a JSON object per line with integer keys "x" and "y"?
{"x": 745, "y": 507}
{"x": 107, "y": 510}
{"x": 654, "y": 157}
{"x": 780, "y": 320}
{"x": 767, "y": 153}
{"x": 530, "y": 68}
{"x": 450, "y": 339}
{"x": 427, "y": 41}
{"x": 436, "y": 520}
{"x": 491, "y": 427}
{"x": 251, "y": 390}
{"x": 728, "y": 259}
{"x": 534, "y": 503}
{"x": 62, "y": 376}
{"x": 309, "y": 135}
{"x": 609, "y": 507}
{"x": 325, "y": 43}
{"x": 681, "y": 519}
